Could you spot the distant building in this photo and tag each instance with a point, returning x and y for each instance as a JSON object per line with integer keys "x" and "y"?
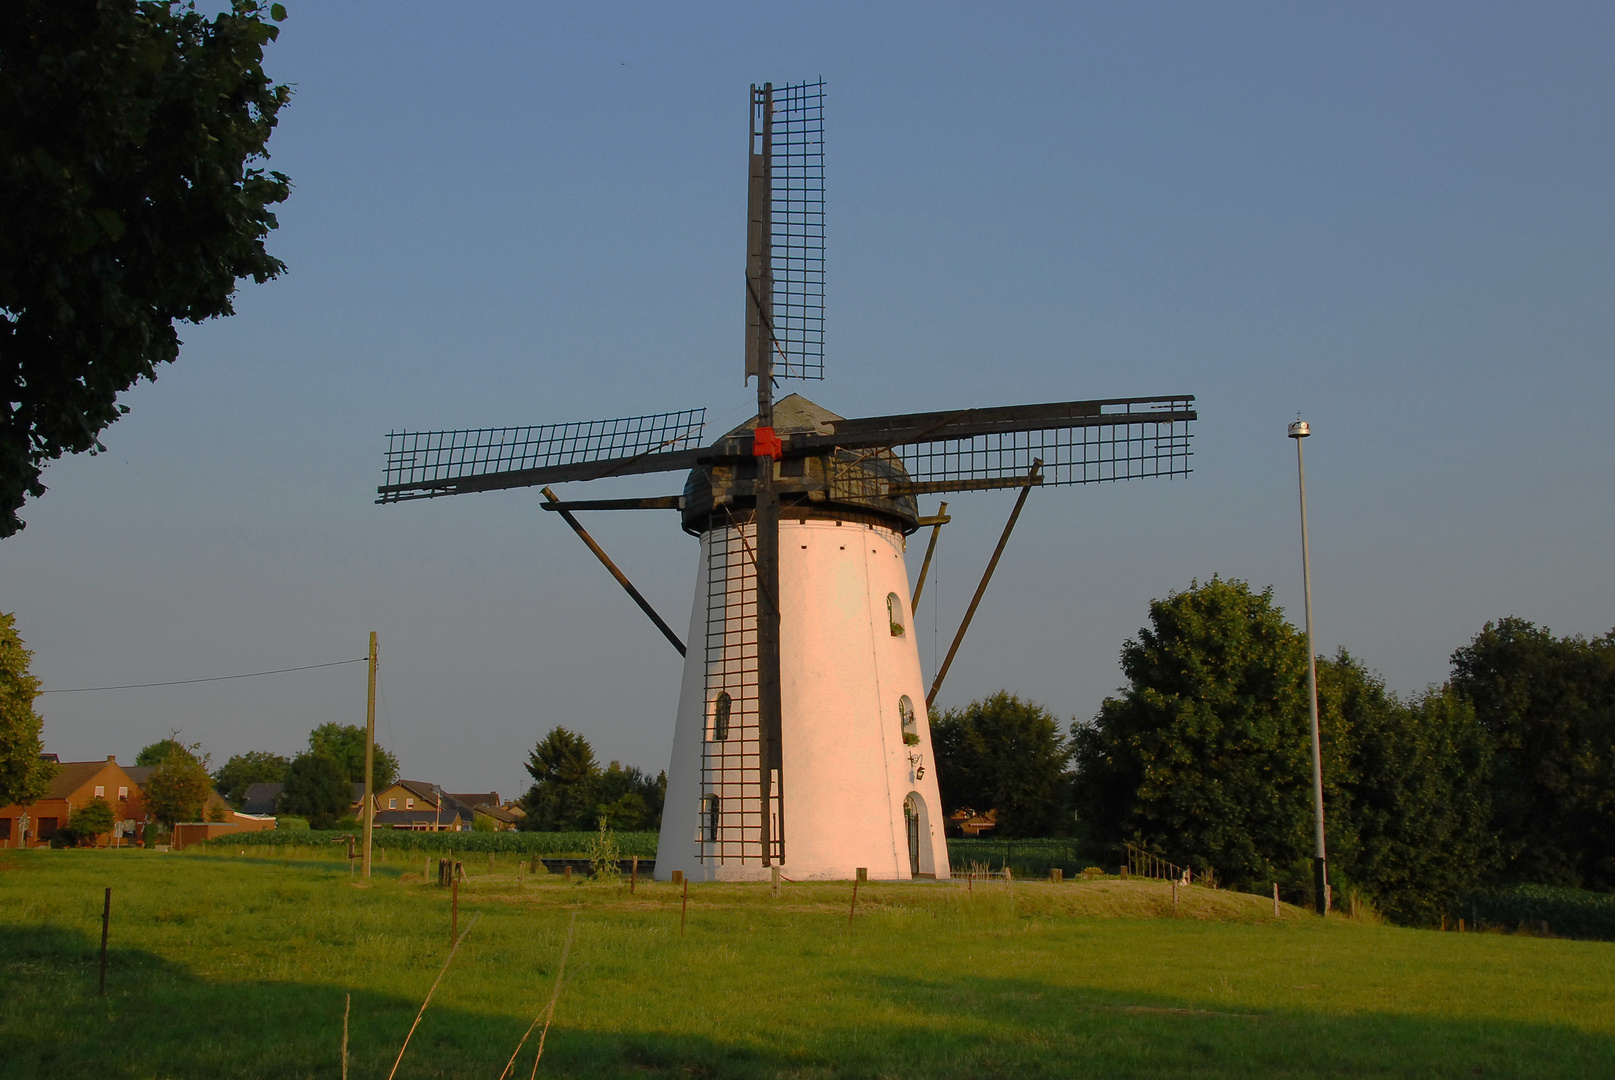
{"x": 421, "y": 807}
{"x": 76, "y": 783}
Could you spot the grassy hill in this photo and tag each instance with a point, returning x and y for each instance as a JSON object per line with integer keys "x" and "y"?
{"x": 240, "y": 966}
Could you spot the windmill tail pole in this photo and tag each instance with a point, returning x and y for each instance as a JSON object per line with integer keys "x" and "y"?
{"x": 987, "y": 576}
{"x": 622, "y": 579}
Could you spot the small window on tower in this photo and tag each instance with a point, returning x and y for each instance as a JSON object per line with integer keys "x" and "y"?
{"x": 720, "y": 716}
{"x": 894, "y": 614}
{"x": 711, "y": 809}
{"x": 911, "y": 729}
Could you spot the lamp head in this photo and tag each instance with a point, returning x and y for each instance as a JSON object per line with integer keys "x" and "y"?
{"x": 1300, "y": 429}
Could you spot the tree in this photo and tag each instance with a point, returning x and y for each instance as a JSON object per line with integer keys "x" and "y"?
{"x": 565, "y": 776}
{"x": 1205, "y": 755}
{"x": 1007, "y": 755}
{"x": 1549, "y": 706}
{"x": 628, "y": 799}
{"x": 156, "y": 753}
{"x": 243, "y": 770}
{"x": 127, "y": 133}
{"x": 1409, "y": 798}
{"x": 93, "y": 819}
{"x": 24, "y": 775}
{"x": 317, "y": 788}
{"x": 178, "y": 790}
{"x": 344, "y": 744}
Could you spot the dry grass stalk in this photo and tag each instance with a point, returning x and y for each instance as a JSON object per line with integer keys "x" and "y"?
{"x": 347, "y": 1006}
{"x": 548, "y": 1014}
{"x": 429, "y": 994}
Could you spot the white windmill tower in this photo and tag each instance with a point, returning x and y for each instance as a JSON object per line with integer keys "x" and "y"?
{"x": 802, "y": 739}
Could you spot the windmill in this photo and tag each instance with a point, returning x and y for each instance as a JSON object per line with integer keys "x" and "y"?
{"x": 799, "y": 746}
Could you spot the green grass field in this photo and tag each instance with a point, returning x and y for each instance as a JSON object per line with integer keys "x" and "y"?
{"x": 238, "y": 966}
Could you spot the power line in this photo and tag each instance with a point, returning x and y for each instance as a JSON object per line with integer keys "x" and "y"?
{"x": 215, "y": 678}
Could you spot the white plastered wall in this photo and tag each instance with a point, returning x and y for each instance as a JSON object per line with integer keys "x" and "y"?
{"x": 847, "y": 769}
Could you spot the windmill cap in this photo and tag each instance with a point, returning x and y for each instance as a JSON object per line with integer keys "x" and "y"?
{"x": 835, "y": 483}
{"x": 1300, "y": 429}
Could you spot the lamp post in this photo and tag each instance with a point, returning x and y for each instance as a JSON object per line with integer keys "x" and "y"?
{"x": 1320, "y": 876}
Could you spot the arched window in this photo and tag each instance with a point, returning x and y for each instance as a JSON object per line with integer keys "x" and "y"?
{"x": 894, "y": 614}
{"x": 711, "y": 809}
{"x": 720, "y": 716}
{"x": 911, "y": 728}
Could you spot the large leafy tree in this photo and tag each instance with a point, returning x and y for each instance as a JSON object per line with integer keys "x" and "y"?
{"x": 1549, "y": 705}
{"x": 629, "y": 798}
{"x": 1409, "y": 798}
{"x": 1007, "y": 755}
{"x": 156, "y": 753}
{"x": 344, "y": 744}
{"x": 1205, "y": 756}
{"x": 128, "y": 129}
{"x": 565, "y": 787}
{"x": 317, "y": 788}
{"x": 24, "y": 775}
{"x": 243, "y": 770}
{"x": 178, "y": 790}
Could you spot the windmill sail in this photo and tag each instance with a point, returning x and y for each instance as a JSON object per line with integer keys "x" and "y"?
{"x": 785, "y": 240}
{"x": 426, "y": 464}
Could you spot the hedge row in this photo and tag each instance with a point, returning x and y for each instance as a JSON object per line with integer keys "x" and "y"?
{"x": 1567, "y": 912}
{"x": 629, "y": 844}
{"x": 1026, "y": 858}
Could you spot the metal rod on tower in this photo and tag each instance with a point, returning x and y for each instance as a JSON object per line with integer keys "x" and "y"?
{"x": 940, "y": 520}
{"x": 987, "y": 575}
{"x": 370, "y": 758}
{"x": 765, "y": 451}
{"x": 1320, "y": 862}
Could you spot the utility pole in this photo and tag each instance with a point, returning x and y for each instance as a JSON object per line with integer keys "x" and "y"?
{"x": 370, "y": 757}
{"x": 1320, "y": 875}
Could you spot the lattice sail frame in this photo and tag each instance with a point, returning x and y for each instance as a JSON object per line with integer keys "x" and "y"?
{"x": 797, "y": 236}
{"x": 1127, "y": 450}
{"x": 428, "y": 457}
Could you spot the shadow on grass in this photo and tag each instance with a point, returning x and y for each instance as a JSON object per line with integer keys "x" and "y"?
{"x": 162, "y": 1020}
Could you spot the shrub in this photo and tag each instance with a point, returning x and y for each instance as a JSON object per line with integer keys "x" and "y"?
{"x": 603, "y": 856}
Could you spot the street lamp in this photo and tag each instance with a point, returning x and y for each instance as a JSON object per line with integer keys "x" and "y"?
{"x": 1320, "y": 877}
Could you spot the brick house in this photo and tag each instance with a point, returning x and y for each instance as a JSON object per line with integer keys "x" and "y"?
{"x": 76, "y": 784}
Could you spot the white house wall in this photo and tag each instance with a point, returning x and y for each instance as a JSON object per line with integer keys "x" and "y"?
{"x": 847, "y": 768}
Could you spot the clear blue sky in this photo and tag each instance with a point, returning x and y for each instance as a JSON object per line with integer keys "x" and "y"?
{"x": 1393, "y": 219}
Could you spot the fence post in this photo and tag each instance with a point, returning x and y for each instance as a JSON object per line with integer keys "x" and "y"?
{"x": 1275, "y": 899}
{"x": 106, "y": 919}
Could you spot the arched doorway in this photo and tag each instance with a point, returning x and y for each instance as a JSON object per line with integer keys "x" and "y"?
{"x": 911, "y": 820}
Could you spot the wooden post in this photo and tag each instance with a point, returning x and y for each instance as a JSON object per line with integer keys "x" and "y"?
{"x": 106, "y": 921}
{"x": 678, "y": 876}
{"x": 566, "y": 873}
{"x": 633, "y": 876}
{"x": 1275, "y": 899}
{"x": 1174, "y": 896}
{"x": 454, "y": 911}
{"x": 861, "y": 874}
{"x": 684, "y": 907}
{"x": 370, "y": 758}
{"x": 1056, "y": 874}
{"x": 853, "y": 910}
{"x": 773, "y": 874}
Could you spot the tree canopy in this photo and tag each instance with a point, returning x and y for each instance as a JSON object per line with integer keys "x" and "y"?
{"x": 178, "y": 790}
{"x": 344, "y": 744}
{"x": 128, "y": 129}
{"x": 317, "y": 788}
{"x": 570, "y": 790}
{"x": 93, "y": 818}
{"x": 1208, "y": 745}
{"x": 243, "y": 770}
{"x": 24, "y": 775}
{"x": 1548, "y": 704}
{"x": 156, "y": 753}
{"x": 1007, "y": 755}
